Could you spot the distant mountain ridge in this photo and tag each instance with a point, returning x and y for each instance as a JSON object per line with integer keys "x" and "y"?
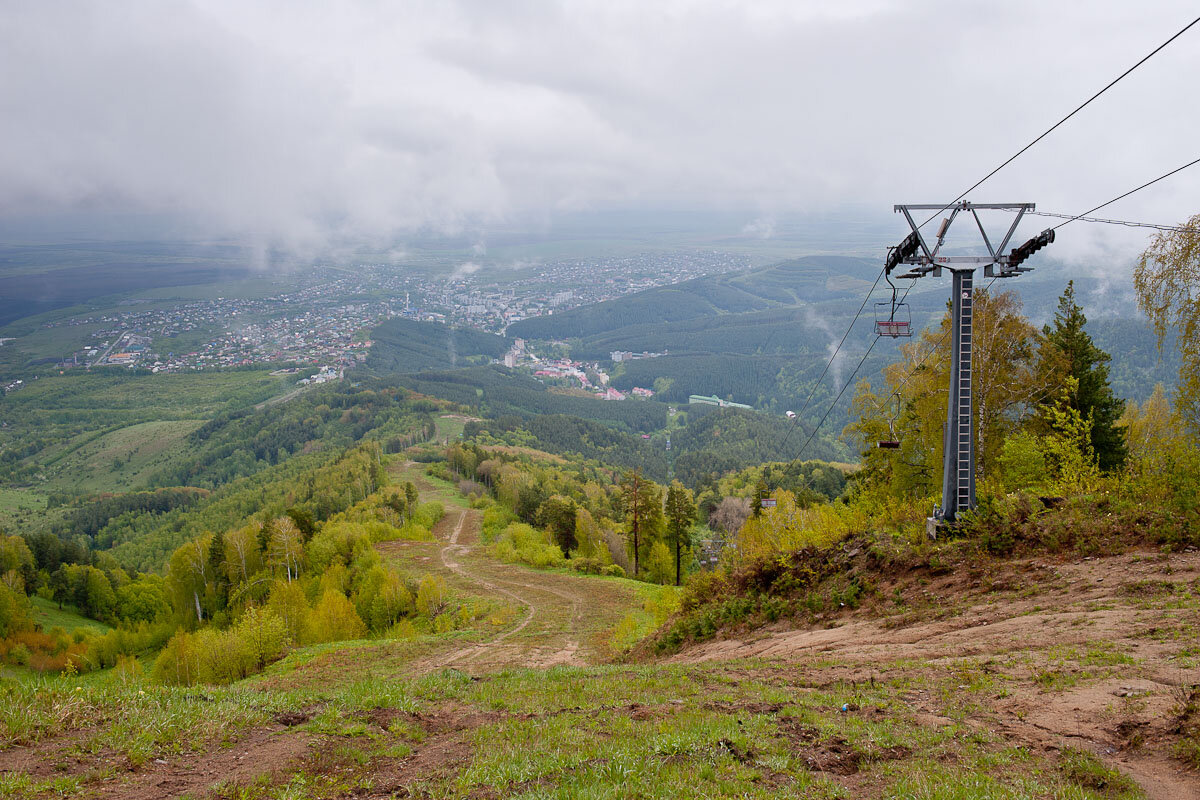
{"x": 787, "y": 284}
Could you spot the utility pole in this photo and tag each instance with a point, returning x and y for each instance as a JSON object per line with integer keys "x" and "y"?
{"x": 958, "y": 441}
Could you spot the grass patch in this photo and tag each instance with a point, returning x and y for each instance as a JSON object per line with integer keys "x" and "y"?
{"x": 1085, "y": 770}
{"x": 47, "y": 614}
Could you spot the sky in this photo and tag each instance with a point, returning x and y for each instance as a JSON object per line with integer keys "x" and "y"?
{"x": 297, "y": 124}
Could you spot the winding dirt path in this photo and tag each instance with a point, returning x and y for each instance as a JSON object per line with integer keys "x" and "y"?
{"x": 560, "y": 619}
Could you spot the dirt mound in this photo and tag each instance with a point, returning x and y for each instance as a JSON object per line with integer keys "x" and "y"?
{"x": 1087, "y": 653}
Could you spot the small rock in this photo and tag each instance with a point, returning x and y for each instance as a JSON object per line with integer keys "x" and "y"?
{"x": 160, "y": 761}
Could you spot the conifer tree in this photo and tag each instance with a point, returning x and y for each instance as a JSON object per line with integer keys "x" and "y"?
{"x": 681, "y": 516}
{"x": 1069, "y": 346}
{"x": 643, "y": 512}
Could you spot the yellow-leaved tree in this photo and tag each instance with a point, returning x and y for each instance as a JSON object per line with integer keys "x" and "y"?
{"x": 910, "y": 408}
{"x": 1167, "y": 280}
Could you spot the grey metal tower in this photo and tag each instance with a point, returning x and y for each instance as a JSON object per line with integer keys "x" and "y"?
{"x": 958, "y": 452}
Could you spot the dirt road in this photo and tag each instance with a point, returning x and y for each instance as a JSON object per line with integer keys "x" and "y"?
{"x": 557, "y": 618}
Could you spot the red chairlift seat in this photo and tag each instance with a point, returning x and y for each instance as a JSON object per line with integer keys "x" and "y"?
{"x": 889, "y": 444}
{"x": 892, "y": 320}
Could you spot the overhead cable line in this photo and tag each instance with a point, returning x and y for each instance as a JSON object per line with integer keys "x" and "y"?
{"x": 967, "y": 191}
{"x": 1126, "y": 223}
{"x": 932, "y": 350}
{"x": 845, "y": 386}
{"x": 1069, "y": 219}
{"x": 1051, "y": 129}
{"x": 1126, "y": 194}
{"x": 837, "y": 350}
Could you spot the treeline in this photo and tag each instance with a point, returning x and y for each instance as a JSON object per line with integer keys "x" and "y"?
{"x": 498, "y": 392}
{"x": 563, "y": 434}
{"x": 243, "y": 597}
{"x": 752, "y": 380}
{"x": 84, "y": 406}
{"x": 722, "y": 440}
{"x": 788, "y": 331}
{"x": 239, "y": 443}
{"x": 234, "y": 600}
{"x": 88, "y": 519}
{"x": 788, "y": 283}
{"x": 591, "y": 518}
{"x": 664, "y": 304}
{"x": 321, "y": 484}
{"x": 92, "y": 584}
{"x": 404, "y": 345}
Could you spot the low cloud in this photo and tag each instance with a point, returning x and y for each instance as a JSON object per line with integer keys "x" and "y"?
{"x": 312, "y": 128}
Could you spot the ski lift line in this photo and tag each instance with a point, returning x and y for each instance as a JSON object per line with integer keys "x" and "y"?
{"x": 849, "y": 381}
{"x": 1052, "y": 128}
{"x": 838, "y": 349}
{"x": 970, "y": 189}
{"x": 921, "y": 363}
{"x": 1126, "y": 194}
{"x": 807, "y": 400}
{"x": 1126, "y": 223}
{"x": 1084, "y": 216}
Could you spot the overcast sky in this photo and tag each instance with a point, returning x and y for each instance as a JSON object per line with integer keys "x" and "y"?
{"x": 297, "y": 122}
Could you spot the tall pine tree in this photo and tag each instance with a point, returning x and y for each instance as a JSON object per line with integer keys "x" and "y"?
{"x": 681, "y": 516}
{"x": 1069, "y": 347}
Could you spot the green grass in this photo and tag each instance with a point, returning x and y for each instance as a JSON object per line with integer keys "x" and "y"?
{"x": 448, "y": 428}
{"x": 123, "y": 459}
{"x": 47, "y": 614}
{"x": 743, "y": 729}
{"x": 20, "y": 506}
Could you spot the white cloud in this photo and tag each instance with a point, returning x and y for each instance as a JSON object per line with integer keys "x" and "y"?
{"x": 315, "y": 124}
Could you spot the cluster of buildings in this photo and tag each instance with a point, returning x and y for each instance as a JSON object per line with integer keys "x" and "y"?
{"x": 309, "y": 326}
{"x": 468, "y": 298}
{"x": 617, "y": 356}
{"x": 322, "y": 316}
{"x": 586, "y": 376}
{"x": 705, "y": 400}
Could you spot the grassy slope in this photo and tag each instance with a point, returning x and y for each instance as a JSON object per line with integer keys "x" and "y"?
{"x": 47, "y": 614}
{"x": 140, "y": 421}
{"x": 124, "y": 459}
{"x": 424, "y": 717}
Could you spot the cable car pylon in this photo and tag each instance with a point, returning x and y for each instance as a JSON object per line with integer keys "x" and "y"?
{"x": 958, "y": 449}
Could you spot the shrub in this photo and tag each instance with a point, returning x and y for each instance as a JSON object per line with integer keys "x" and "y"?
{"x": 527, "y": 545}
{"x": 430, "y": 595}
{"x": 19, "y": 655}
{"x": 1022, "y": 463}
{"x": 428, "y": 514}
{"x": 495, "y": 519}
{"x": 589, "y": 566}
{"x": 335, "y": 619}
{"x": 263, "y": 635}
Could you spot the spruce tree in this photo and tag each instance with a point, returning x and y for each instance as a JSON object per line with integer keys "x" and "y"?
{"x": 1088, "y": 365}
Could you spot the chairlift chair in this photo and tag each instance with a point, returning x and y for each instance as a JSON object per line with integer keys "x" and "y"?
{"x": 892, "y": 318}
{"x": 892, "y": 443}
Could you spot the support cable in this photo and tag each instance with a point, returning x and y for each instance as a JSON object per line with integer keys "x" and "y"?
{"x": 1124, "y": 222}
{"x": 1126, "y": 194}
{"x": 829, "y": 364}
{"x": 849, "y": 381}
{"x": 1051, "y": 129}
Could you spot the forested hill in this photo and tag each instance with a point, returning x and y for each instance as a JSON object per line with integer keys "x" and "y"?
{"x": 808, "y": 279}
{"x": 405, "y": 345}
